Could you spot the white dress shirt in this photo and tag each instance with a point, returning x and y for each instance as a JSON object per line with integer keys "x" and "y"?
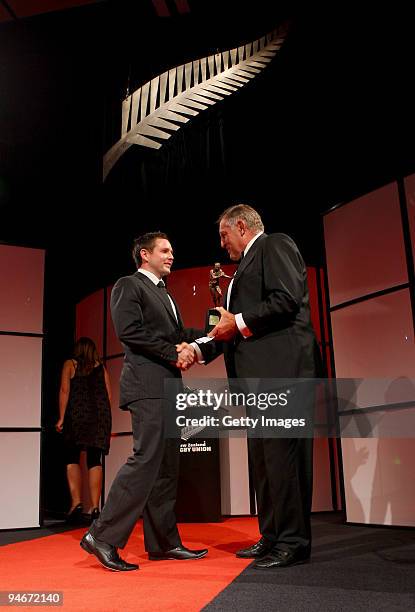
{"x": 156, "y": 281}
{"x": 239, "y": 320}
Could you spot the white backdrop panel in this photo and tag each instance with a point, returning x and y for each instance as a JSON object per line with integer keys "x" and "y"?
{"x": 364, "y": 246}
{"x": 20, "y": 381}
{"x": 19, "y": 479}
{"x": 378, "y": 477}
{"x": 234, "y": 476}
{"x": 374, "y": 339}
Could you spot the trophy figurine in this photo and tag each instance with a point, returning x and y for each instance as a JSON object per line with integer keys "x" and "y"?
{"x": 215, "y": 275}
{"x": 213, "y": 315}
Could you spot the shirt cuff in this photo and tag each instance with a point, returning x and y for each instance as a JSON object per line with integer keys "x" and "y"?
{"x": 245, "y": 331}
{"x": 198, "y": 353}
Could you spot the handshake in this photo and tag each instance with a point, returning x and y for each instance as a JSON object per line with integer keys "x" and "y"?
{"x": 186, "y": 356}
{"x": 225, "y": 330}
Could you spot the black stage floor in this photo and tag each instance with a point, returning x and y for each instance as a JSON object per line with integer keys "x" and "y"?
{"x": 50, "y": 527}
{"x": 352, "y": 568}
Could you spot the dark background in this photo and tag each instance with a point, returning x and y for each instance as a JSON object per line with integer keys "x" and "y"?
{"x": 330, "y": 118}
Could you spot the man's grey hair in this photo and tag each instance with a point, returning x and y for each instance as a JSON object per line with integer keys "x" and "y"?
{"x": 245, "y": 213}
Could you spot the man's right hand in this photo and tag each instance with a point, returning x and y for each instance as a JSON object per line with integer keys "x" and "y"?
{"x": 226, "y": 329}
{"x": 186, "y": 356}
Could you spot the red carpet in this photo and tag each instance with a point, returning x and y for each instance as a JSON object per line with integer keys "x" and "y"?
{"x": 58, "y": 563}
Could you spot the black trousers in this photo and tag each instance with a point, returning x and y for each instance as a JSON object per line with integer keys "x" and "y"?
{"x": 283, "y": 479}
{"x": 283, "y": 473}
{"x": 146, "y": 485}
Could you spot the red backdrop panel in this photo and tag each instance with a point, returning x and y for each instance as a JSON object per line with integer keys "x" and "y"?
{"x": 21, "y": 289}
{"x": 113, "y": 344}
{"x": 322, "y": 499}
{"x": 90, "y": 318}
{"x": 410, "y": 202}
{"x": 190, "y": 289}
{"x": 313, "y": 292}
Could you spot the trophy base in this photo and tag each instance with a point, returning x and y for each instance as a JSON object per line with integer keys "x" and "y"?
{"x": 212, "y": 319}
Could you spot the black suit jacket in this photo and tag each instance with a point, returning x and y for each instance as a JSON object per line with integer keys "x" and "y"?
{"x": 148, "y": 331}
{"x": 270, "y": 291}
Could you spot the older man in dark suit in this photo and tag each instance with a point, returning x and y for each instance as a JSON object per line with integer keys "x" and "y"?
{"x": 266, "y": 333}
{"x": 148, "y": 323}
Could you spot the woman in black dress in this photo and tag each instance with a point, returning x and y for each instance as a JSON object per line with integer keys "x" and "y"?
{"x": 85, "y": 421}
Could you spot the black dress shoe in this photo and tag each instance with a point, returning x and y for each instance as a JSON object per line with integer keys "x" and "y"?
{"x": 180, "y": 552}
{"x": 106, "y": 554}
{"x": 256, "y": 551}
{"x": 281, "y": 558}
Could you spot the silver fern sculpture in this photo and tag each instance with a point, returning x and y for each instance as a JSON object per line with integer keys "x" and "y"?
{"x": 157, "y": 109}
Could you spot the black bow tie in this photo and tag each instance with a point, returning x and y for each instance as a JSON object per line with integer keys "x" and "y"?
{"x": 161, "y": 285}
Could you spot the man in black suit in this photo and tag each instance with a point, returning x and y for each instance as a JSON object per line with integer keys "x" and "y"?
{"x": 266, "y": 333}
{"x": 148, "y": 324}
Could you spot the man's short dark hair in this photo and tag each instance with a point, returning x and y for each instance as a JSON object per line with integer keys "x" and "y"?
{"x": 146, "y": 241}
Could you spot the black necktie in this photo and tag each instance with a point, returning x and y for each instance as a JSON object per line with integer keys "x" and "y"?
{"x": 162, "y": 286}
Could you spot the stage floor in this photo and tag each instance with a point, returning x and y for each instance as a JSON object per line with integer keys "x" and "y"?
{"x": 352, "y": 568}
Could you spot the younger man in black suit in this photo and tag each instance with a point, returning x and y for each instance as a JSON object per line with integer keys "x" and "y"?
{"x": 148, "y": 324}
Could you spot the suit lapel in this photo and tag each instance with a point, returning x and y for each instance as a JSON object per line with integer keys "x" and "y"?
{"x": 247, "y": 260}
{"x": 179, "y": 316}
{"x": 159, "y": 294}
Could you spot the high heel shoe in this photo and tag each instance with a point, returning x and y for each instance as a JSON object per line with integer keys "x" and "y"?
{"x": 75, "y": 515}
{"x": 95, "y": 514}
